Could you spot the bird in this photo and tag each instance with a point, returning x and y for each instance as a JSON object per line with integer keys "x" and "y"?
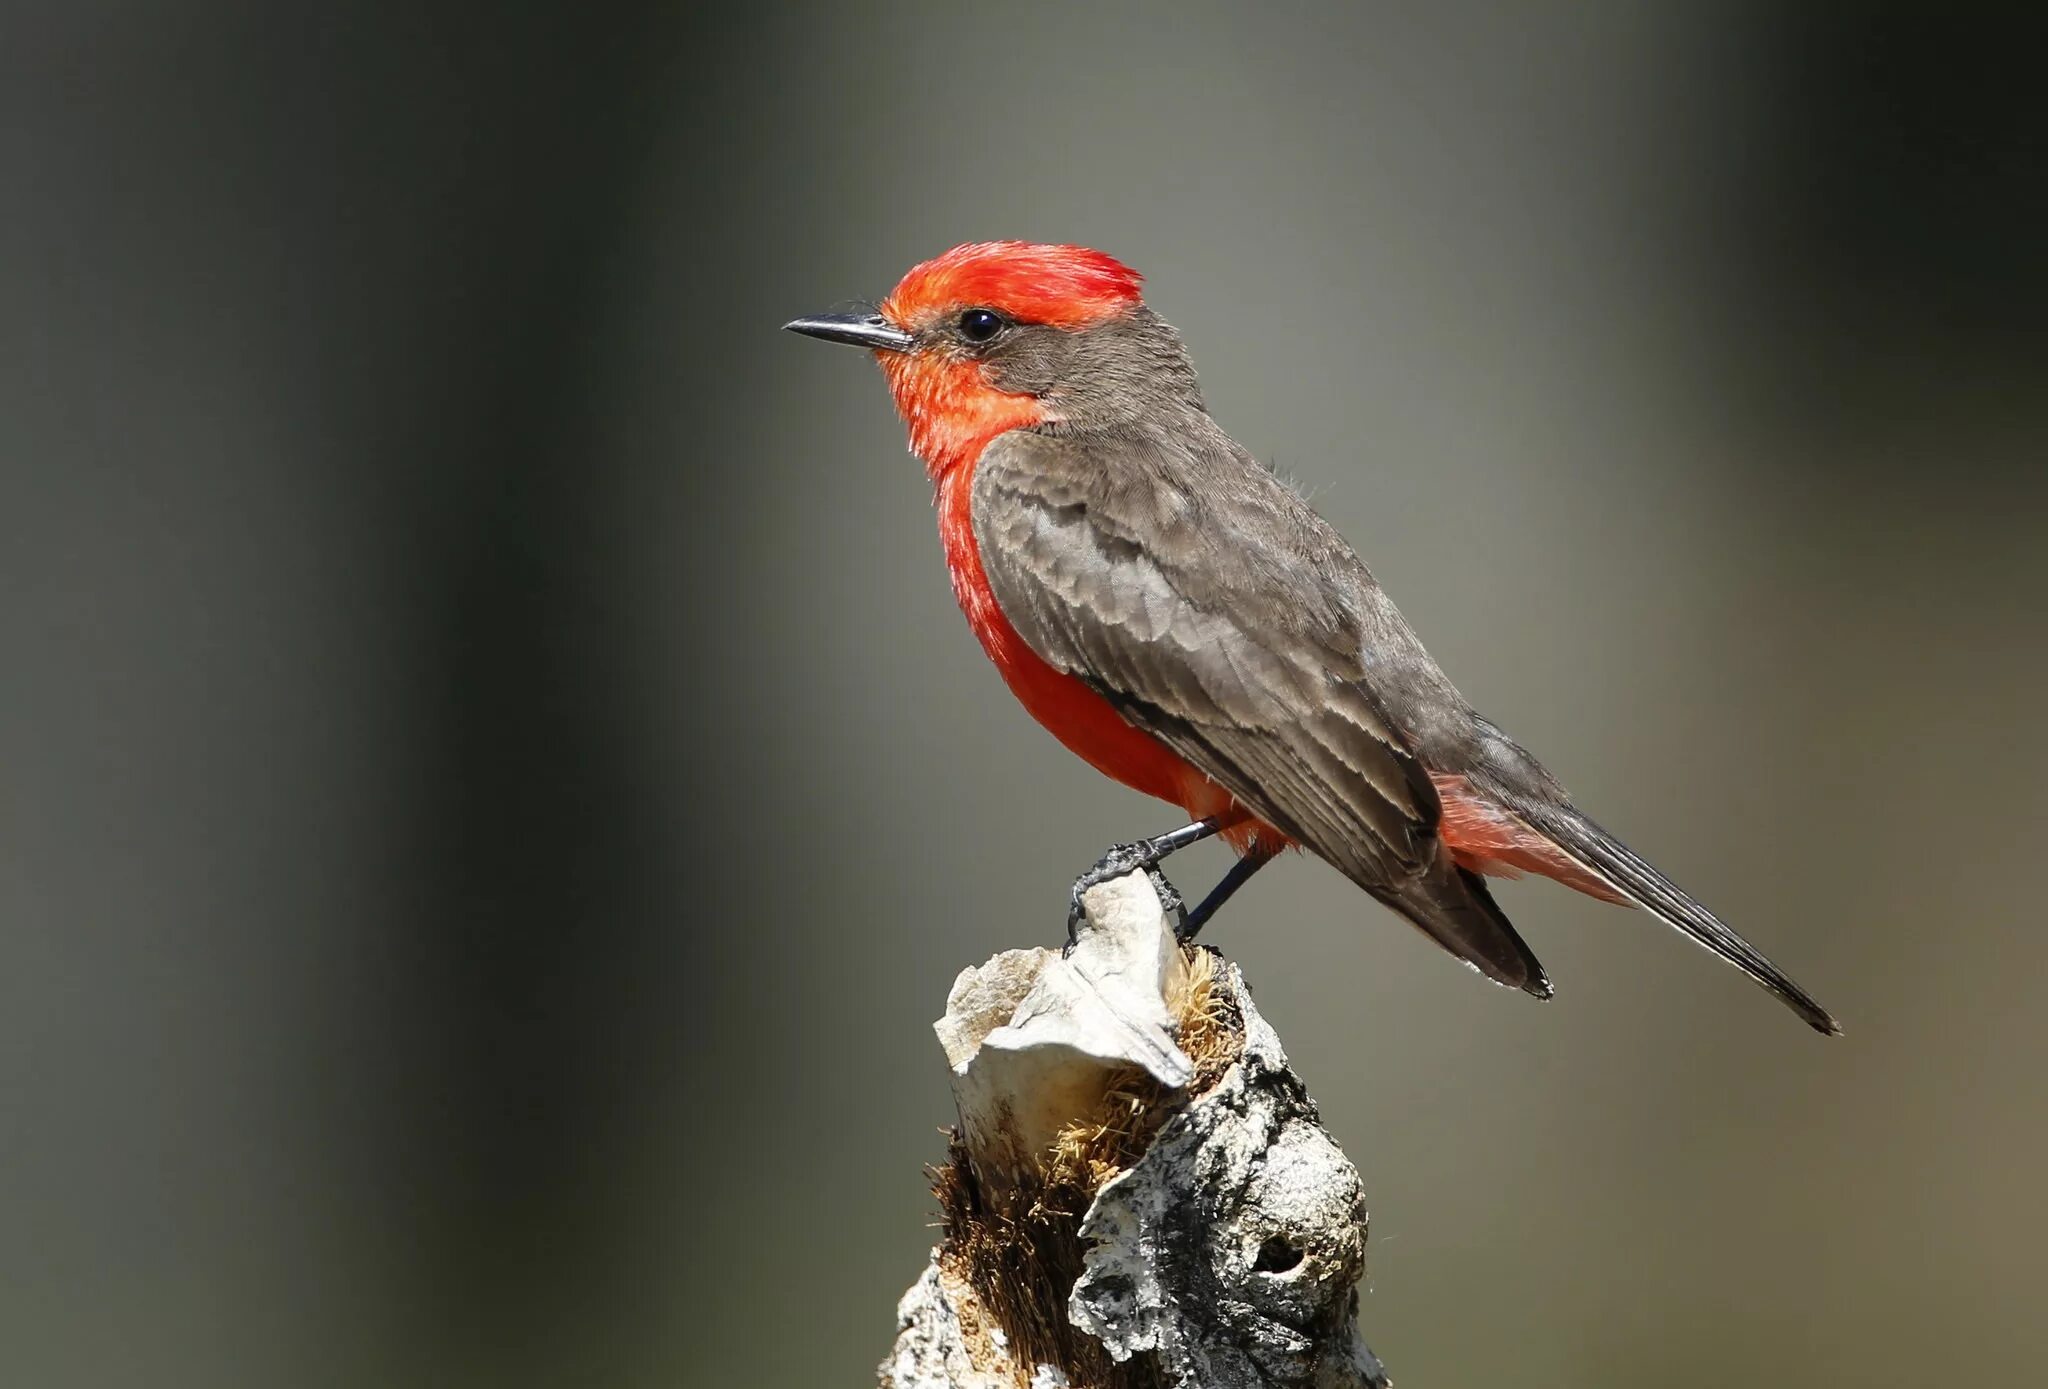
{"x": 1181, "y": 619}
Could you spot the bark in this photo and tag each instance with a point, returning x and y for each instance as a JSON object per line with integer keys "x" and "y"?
{"x": 1138, "y": 1192}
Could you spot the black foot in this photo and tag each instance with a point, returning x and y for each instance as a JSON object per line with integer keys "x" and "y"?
{"x": 1120, "y": 860}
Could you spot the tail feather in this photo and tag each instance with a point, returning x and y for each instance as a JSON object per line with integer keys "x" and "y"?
{"x": 1642, "y": 884}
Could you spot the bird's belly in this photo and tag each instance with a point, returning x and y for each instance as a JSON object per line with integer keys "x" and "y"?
{"x": 1090, "y": 727}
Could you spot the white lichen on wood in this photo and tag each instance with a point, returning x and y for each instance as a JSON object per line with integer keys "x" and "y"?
{"x": 1139, "y": 1192}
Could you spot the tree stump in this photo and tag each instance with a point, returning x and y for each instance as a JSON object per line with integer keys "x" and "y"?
{"x": 1138, "y": 1193}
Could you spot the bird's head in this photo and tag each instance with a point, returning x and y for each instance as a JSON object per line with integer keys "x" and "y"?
{"x": 1001, "y": 335}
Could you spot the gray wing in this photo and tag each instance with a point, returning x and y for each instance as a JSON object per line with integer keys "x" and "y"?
{"x": 1202, "y": 598}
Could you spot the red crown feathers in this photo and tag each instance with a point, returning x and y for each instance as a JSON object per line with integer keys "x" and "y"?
{"x": 1066, "y": 286}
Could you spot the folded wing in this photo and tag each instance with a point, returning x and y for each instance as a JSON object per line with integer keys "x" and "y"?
{"x": 1225, "y": 621}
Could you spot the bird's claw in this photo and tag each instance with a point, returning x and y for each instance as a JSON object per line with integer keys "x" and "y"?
{"x": 1122, "y": 859}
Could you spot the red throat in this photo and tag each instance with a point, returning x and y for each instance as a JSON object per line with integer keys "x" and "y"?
{"x": 948, "y": 401}
{"x": 951, "y": 409}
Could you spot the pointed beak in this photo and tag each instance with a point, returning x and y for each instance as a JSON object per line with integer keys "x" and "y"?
{"x": 869, "y": 330}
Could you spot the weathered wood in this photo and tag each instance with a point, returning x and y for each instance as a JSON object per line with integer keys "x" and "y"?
{"x": 1139, "y": 1192}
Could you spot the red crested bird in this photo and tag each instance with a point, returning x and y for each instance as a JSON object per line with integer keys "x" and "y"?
{"x": 1183, "y": 622}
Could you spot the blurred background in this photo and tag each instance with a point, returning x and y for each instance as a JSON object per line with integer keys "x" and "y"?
{"x": 494, "y": 788}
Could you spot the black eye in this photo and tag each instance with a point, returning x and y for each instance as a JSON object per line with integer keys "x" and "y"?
{"x": 979, "y": 325}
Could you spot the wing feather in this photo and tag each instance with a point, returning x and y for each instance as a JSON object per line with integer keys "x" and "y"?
{"x": 1243, "y": 655}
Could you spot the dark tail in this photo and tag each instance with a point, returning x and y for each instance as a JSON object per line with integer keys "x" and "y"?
{"x": 1642, "y": 884}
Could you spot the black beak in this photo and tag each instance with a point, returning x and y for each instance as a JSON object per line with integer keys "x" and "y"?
{"x": 869, "y": 330}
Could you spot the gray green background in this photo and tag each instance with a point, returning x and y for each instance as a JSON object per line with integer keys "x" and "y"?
{"x": 493, "y": 786}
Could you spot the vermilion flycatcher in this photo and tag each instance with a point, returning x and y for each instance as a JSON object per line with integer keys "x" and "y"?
{"x": 1180, "y": 619}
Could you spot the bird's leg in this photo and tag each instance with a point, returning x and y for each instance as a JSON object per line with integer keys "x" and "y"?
{"x": 1240, "y": 873}
{"x": 1145, "y": 854}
